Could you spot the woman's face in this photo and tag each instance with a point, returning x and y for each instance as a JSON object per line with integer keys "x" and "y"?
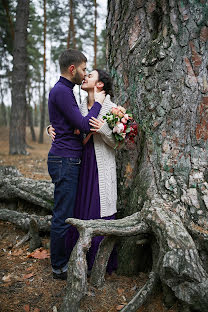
{"x": 90, "y": 81}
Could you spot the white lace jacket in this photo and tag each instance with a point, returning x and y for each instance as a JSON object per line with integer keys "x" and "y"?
{"x": 105, "y": 155}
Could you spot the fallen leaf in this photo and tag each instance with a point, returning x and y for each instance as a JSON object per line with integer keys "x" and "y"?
{"x": 17, "y": 252}
{"x": 26, "y": 276}
{"x": 39, "y": 254}
{"x": 120, "y": 307}
{"x": 26, "y": 308}
{"x": 36, "y": 310}
{"x": 120, "y": 291}
{"x": 6, "y": 278}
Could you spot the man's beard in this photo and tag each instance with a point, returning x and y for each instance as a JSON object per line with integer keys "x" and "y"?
{"x": 77, "y": 79}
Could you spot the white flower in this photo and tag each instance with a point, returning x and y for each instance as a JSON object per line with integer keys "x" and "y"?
{"x": 118, "y": 128}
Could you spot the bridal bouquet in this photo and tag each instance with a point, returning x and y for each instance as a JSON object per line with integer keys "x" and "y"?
{"x": 123, "y": 125}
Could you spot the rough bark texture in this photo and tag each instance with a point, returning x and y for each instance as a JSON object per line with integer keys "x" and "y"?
{"x": 77, "y": 269}
{"x": 22, "y": 219}
{"x": 71, "y": 38}
{"x": 19, "y": 76}
{"x": 157, "y": 53}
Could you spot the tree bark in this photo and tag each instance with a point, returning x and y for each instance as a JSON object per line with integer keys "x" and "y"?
{"x": 30, "y": 112}
{"x": 157, "y": 53}
{"x": 23, "y": 219}
{"x": 19, "y": 77}
{"x": 71, "y": 39}
{"x": 95, "y": 34}
{"x": 6, "y": 7}
{"x": 30, "y": 122}
{"x": 43, "y": 106}
{"x": 3, "y": 119}
{"x": 13, "y": 186}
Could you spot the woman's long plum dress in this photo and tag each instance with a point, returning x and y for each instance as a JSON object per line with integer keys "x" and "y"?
{"x": 88, "y": 205}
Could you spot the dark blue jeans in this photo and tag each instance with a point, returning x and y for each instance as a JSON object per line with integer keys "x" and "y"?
{"x": 64, "y": 172}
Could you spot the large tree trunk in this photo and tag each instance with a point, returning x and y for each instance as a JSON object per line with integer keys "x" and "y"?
{"x": 19, "y": 79}
{"x": 157, "y": 52}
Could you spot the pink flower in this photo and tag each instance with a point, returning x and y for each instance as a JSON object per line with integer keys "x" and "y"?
{"x": 120, "y": 114}
{"x": 126, "y": 116}
{"x": 118, "y": 128}
{"x": 122, "y": 109}
{"x": 114, "y": 110}
{"x": 124, "y": 120}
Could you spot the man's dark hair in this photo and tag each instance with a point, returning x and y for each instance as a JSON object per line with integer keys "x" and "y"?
{"x": 106, "y": 79}
{"x": 71, "y": 57}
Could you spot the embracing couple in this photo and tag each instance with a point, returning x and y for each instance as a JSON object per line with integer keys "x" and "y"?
{"x": 81, "y": 161}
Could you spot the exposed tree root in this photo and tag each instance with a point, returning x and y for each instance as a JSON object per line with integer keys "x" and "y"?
{"x": 22, "y": 219}
{"x": 143, "y": 294}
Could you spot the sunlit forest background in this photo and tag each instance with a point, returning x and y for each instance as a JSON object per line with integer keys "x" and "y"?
{"x": 53, "y": 26}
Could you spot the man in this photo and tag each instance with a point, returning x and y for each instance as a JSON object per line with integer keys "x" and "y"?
{"x": 65, "y": 154}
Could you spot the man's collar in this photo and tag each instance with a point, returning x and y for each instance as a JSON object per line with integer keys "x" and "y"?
{"x": 67, "y": 82}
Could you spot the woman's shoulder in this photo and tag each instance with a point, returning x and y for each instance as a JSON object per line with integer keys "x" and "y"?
{"x": 108, "y": 99}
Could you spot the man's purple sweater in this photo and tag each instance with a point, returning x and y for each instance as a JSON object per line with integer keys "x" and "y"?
{"x": 65, "y": 117}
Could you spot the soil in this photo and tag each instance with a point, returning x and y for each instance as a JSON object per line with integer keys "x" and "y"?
{"x": 26, "y": 283}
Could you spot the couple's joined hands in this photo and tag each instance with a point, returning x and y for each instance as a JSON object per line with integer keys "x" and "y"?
{"x": 96, "y": 124}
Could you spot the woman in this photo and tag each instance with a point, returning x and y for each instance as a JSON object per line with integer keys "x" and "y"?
{"x": 97, "y": 189}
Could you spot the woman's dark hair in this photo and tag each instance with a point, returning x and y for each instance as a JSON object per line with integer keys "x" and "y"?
{"x": 106, "y": 79}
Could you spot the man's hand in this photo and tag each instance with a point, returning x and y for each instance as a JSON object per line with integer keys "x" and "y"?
{"x": 96, "y": 124}
{"x": 99, "y": 95}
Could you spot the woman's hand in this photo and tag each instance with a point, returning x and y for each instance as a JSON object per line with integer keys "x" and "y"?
{"x": 99, "y": 96}
{"x": 96, "y": 124}
{"x": 52, "y": 133}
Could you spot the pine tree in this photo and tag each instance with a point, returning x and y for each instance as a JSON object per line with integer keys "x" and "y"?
{"x": 18, "y": 110}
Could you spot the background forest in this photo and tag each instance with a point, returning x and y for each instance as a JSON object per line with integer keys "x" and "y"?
{"x": 52, "y": 27}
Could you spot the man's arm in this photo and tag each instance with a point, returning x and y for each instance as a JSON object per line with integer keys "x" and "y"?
{"x": 68, "y": 106}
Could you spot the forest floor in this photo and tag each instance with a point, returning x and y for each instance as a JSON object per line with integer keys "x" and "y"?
{"x": 26, "y": 283}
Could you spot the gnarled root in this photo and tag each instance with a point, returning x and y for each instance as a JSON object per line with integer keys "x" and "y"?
{"x": 143, "y": 294}
{"x": 22, "y": 219}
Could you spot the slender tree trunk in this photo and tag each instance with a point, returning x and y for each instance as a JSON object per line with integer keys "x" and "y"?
{"x": 71, "y": 39}
{"x": 19, "y": 80}
{"x": 30, "y": 122}
{"x": 95, "y": 34}
{"x": 5, "y": 5}
{"x": 30, "y": 115}
{"x": 3, "y": 119}
{"x": 43, "y": 106}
